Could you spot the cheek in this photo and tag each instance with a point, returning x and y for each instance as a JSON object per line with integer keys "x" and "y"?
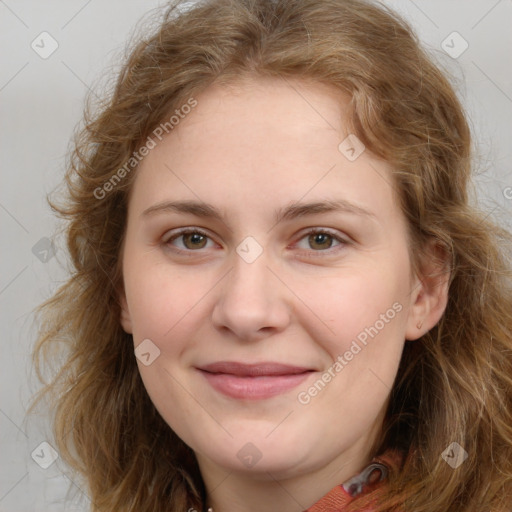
{"x": 365, "y": 312}
{"x": 372, "y": 335}
{"x": 164, "y": 308}
{"x": 353, "y": 301}
{"x": 160, "y": 300}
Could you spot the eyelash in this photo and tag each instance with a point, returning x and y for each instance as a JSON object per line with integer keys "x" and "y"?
{"x": 313, "y": 231}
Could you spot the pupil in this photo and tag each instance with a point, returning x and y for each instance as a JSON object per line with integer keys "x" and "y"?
{"x": 195, "y": 239}
{"x": 320, "y": 238}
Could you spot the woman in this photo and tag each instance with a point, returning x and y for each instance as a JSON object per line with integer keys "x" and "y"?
{"x": 282, "y": 296}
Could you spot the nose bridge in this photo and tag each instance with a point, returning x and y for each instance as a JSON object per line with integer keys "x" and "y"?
{"x": 252, "y": 299}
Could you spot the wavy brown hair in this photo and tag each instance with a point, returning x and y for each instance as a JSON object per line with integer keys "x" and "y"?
{"x": 454, "y": 384}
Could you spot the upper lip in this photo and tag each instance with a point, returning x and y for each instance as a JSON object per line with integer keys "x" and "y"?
{"x": 253, "y": 370}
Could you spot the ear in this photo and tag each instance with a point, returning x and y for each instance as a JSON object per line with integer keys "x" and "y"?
{"x": 125, "y": 317}
{"x": 429, "y": 295}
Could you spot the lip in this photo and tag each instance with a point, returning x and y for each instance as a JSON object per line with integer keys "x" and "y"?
{"x": 253, "y": 381}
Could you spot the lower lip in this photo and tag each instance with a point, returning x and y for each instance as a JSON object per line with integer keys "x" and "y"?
{"x": 254, "y": 388}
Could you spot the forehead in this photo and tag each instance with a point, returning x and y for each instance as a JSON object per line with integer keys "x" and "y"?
{"x": 263, "y": 142}
{"x": 254, "y": 108}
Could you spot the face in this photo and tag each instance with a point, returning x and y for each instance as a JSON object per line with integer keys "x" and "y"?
{"x": 270, "y": 332}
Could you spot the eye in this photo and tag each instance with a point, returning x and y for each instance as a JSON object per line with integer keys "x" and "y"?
{"x": 192, "y": 239}
{"x": 321, "y": 240}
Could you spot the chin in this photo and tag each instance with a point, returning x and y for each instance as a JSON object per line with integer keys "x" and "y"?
{"x": 257, "y": 454}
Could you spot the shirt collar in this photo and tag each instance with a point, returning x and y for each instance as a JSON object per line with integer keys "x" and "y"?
{"x": 365, "y": 482}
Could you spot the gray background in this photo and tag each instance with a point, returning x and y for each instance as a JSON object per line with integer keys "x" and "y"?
{"x": 41, "y": 102}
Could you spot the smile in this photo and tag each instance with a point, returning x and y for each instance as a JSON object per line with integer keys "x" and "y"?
{"x": 254, "y": 381}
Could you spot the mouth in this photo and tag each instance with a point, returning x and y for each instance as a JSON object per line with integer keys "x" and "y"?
{"x": 253, "y": 381}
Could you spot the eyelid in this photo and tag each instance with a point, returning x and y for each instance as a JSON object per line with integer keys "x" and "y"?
{"x": 183, "y": 231}
{"x": 334, "y": 233}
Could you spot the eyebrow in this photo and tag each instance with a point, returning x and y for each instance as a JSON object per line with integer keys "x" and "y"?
{"x": 290, "y": 212}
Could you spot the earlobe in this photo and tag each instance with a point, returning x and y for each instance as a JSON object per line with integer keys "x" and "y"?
{"x": 125, "y": 317}
{"x": 429, "y": 296}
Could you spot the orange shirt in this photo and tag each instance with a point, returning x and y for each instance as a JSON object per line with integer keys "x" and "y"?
{"x": 367, "y": 481}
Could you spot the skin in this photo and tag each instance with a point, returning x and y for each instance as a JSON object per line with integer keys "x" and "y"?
{"x": 248, "y": 150}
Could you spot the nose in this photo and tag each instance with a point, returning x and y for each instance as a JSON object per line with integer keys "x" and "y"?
{"x": 252, "y": 303}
